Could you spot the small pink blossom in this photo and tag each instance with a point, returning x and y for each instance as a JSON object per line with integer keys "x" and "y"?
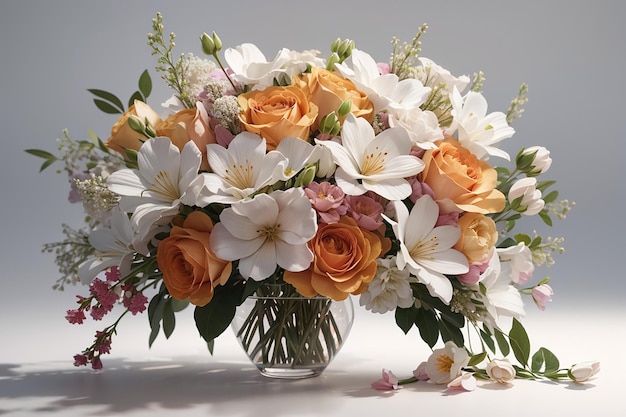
{"x": 542, "y": 294}
{"x": 383, "y": 68}
{"x": 388, "y": 382}
{"x": 96, "y": 363}
{"x": 75, "y": 316}
{"x": 134, "y": 300}
{"x": 420, "y": 372}
{"x": 80, "y": 360}
{"x": 101, "y": 291}
{"x": 365, "y": 211}
{"x": 103, "y": 342}
{"x": 98, "y": 312}
{"x": 113, "y": 274}
{"x": 327, "y": 200}
{"x": 473, "y": 275}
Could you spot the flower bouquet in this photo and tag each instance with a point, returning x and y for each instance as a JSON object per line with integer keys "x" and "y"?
{"x": 307, "y": 180}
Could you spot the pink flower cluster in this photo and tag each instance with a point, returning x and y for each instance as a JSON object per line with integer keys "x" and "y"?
{"x": 101, "y": 346}
{"x": 103, "y": 296}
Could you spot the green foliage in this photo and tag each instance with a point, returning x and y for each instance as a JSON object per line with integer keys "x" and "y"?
{"x": 520, "y": 344}
{"x": 434, "y": 319}
{"x": 215, "y": 317}
{"x": 49, "y": 158}
{"x": 109, "y": 103}
{"x": 161, "y": 313}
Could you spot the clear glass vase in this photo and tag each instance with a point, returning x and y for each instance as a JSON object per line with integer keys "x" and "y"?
{"x": 289, "y": 336}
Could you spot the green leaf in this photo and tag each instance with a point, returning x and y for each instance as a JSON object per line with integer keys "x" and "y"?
{"x": 136, "y": 96}
{"x": 145, "y": 84}
{"x": 503, "y": 345}
{"x": 155, "y": 315}
{"x": 169, "y": 318}
{"x": 405, "y": 318}
{"x": 476, "y": 359}
{"x": 426, "y": 322}
{"x": 486, "y": 337}
{"x": 210, "y": 345}
{"x": 46, "y": 164}
{"x": 41, "y": 154}
{"x": 110, "y": 98}
{"x": 545, "y": 361}
{"x": 545, "y": 217}
{"x": 179, "y": 305}
{"x": 106, "y": 107}
{"x": 215, "y": 317}
{"x": 551, "y": 197}
{"x": 451, "y": 332}
{"x": 520, "y": 344}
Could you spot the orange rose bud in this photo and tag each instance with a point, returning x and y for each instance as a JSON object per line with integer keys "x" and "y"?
{"x": 461, "y": 181}
{"x": 278, "y": 112}
{"x": 123, "y": 136}
{"x": 190, "y": 268}
{"x": 330, "y": 90}
{"x": 478, "y": 237}
{"x": 186, "y": 125}
{"x": 344, "y": 261}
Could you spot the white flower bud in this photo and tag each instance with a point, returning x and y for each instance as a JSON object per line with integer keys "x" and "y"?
{"x": 501, "y": 371}
{"x": 531, "y": 202}
{"x": 542, "y": 160}
{"x": 583, "y": 371}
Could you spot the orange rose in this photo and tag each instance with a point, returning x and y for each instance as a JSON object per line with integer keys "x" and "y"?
{"x": 329, "y": 90}
{"x": 186, "y": 125}
{"x": 122, "y": 136}
{"x": 461, "y": 181}
{"x": 190, "y": 268}
{"x": 344, "y": 261}
{"x": 478, "y": 237}
{"x": 278, "y": 112}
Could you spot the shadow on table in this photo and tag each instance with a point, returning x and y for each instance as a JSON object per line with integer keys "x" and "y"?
{"x": 125, "y": 386}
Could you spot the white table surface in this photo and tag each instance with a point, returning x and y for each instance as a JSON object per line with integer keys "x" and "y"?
{"x": 179, "y": 377}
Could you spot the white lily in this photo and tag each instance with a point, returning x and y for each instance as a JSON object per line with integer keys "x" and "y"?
{"x": 250, "y": 67}
{"x": 500, "y": 298}
{"x": 387, "y": 91}
{"x": 239, "y": 170}
{"x": 426, "y": 250}
{"x": 154, "y": 192}
{"x": 367, "y": 162}
{"x": 113, "y": 247}
{"x": 477, "y": 130}
{"x": 299, "y": 153}
{"x": 266, "y": 231}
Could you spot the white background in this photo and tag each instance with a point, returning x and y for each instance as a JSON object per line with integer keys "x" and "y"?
{"x": 571, "y": 53}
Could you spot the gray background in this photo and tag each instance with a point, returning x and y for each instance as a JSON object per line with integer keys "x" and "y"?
{"x": 571, "y": 53}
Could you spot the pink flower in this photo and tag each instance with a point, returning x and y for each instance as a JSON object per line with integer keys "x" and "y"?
{"x": 327, "y": 200}
{"x": 103, "y": 342}
{"x": 133, "y": 300}
{"x": 542, "y": 294}
{"x": 113, "y": 274}
{"x": 383, "y": 68}
{"x": 75, "y": 316}
{"x": 365, "y": 211}
{"x": 473, "y": 275}
{"x": 388, "y": 382}
{"x": 96, "y": 363}
{"x": 80, "y": 360}
{"x": 101, "y": 291}
{"x": 420, "y": 372}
